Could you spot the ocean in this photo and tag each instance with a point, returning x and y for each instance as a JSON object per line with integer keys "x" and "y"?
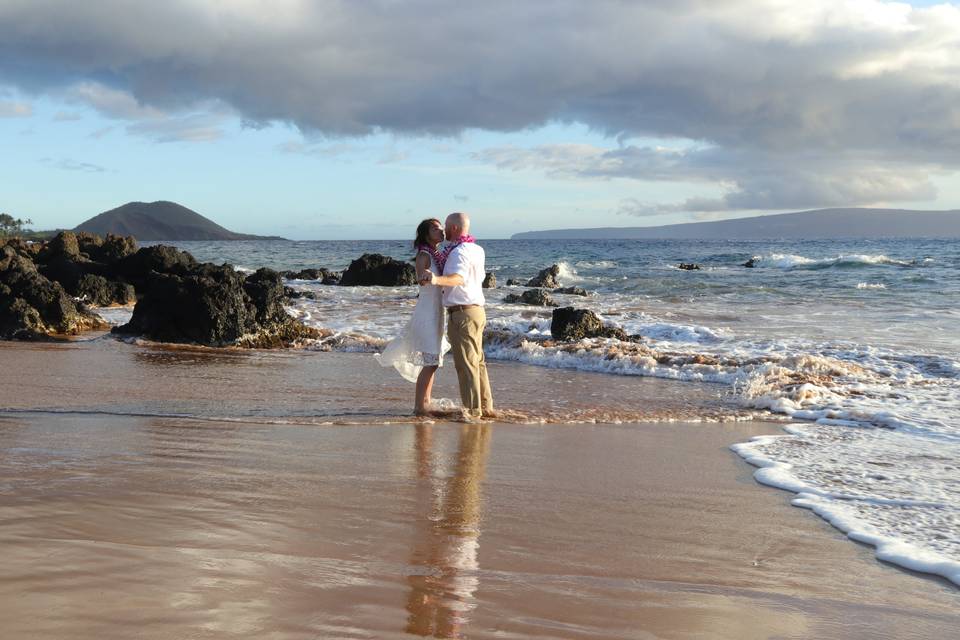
{"x": 854, "y": 344}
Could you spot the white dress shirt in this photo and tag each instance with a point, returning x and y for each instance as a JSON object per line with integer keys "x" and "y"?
{"x": 469, "y": 260}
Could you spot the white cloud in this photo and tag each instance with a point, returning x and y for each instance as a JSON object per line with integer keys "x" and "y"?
{"x": 751, "y": 179}
{"x": 822, "y": 100}
{"x": 148, "y": 121}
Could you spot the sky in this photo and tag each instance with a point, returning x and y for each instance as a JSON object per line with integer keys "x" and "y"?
{"x": 335, "y": 119}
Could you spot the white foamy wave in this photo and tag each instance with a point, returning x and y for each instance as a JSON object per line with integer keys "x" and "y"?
{"x": 567, "y": 274}
{"x": 246, "y": 270}
{"x": 791, "y": 261}
{"x": 783, "y": 261}
{"x": 599, "y": 264}
{"x": 864, "y": 481}
{"x": 114, "y": 316}
{"x": 521, "y": 326}
{"x": 871, "y": 285}
{"x": 880, "y": 460}
{"x": 670, "y": 332}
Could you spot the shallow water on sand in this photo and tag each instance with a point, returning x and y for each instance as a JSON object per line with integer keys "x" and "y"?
{"x": 861, "y": 337}
{"x": 158, "y": 493}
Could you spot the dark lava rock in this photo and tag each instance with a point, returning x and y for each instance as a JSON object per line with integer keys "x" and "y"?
{"x": 64, "y": 244}
{"x": 33, "y": 306}
{"x": 70, "y": 258}
{"x": 325, "y": 276}
{"x": 537, "y": 297}
{"x": 18, "y": 320}
{"x": 570, "y": 324}
{"x": 205, "y": 308}
{"x": 751, "y": 263}
{"x": 513, "y": 282}
{"x": 572, "y": 291}
{"x": 100, "y": 292}
{"x": 215, "y": 306}
{"x": 160, "y": 258}
{"x": 265, "y": 289}
{"x": 70, "y": 271}
{"x": 490, "y": 281}
{"x": 109, "y": 250}
{"x": 27, "y": 248}
{"x": 373, "y": 269}
{"x": 689, "y": 266}
{"x": 546, "y": 279}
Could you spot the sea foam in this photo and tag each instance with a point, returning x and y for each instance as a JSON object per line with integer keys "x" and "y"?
{"x": 863, "y": 481}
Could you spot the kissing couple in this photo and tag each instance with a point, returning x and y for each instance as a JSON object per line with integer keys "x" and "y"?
{"x": 451, "y": 292}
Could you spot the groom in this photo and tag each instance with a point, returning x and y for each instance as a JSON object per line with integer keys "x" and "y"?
{"x": 462, "y": 283}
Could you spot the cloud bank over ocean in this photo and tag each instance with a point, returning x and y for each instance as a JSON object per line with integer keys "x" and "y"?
{"x": 788, "y": 105}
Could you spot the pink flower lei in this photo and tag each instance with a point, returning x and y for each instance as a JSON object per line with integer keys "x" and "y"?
{"x": 440, "y": 257}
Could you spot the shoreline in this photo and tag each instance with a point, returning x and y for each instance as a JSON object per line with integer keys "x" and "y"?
{"x": 271, "y": 523}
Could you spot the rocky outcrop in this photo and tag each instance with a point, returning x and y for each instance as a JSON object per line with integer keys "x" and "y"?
{"x": 31, "y": 305}
{"x": 490, "y": 280}
{"x": 373, "y": 269}
{"x": 572, "y": 291}
{"x": 570, "y": 324}
{"x": 45, "y": 290}
{"x": 546, "y": 279}
{"x": 215, "y": 306}
{"x": 100, "y": 292}
{"x": 136, "y": 268}
{"x": 107, "y": 250}
{"x": 537, "y": 297}
{"x": 325, "y": 276}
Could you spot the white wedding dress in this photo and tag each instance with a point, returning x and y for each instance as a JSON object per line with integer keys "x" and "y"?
{"x": 422, "y": 342}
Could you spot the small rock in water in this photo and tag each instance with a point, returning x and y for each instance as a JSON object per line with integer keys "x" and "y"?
{"x": 689, "y": 266}
{"x": 536, "y": 297}
{"x": 373, "y": 269}
{"x": 572, "y": 291}
{"x": 570, "y": 324}
{"x": 513, "y": 282}
{"x": 547, "y": 278}
{"x": 751, "y": 263}
{"x": 322, "y": 274}
{"x": 490, "y": 281}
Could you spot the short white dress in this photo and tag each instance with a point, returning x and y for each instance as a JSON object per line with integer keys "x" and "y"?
{"x": 423, "y": 341}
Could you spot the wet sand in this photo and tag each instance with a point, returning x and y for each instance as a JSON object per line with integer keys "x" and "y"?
{"x": 157, "y": 493}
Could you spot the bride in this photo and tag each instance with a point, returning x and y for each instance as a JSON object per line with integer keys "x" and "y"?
{"x": 418, "y": 350}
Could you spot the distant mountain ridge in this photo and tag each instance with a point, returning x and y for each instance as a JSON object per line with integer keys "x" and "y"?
{"x": 161, "y": 220}
{"x": 820, "y": 224}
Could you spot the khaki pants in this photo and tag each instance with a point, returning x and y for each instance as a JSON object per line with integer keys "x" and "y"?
{"x": 465, "y": 331}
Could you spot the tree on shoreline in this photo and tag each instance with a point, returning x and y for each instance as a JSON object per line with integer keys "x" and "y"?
{"x": 10, "y": 226}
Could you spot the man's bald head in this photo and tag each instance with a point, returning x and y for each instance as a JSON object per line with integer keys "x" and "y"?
{"x": 457, "y": 224}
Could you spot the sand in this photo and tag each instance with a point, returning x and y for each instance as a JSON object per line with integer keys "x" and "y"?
{"x": 158, "y": 493}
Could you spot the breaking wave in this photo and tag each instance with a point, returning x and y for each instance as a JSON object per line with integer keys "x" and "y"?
{"x": 791, "y": 261}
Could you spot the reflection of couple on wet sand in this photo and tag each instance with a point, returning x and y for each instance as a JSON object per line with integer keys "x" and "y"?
{"x": 451, "y": 285}
{"x": 444, "y": 559}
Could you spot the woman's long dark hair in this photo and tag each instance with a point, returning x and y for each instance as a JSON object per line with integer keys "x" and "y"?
{"x": 423, "y": 232}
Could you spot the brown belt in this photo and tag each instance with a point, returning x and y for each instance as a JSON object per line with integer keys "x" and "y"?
{"x": 460, "y": 307}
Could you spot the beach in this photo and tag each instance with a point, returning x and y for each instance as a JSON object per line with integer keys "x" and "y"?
{"x": 160, "y": 492}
